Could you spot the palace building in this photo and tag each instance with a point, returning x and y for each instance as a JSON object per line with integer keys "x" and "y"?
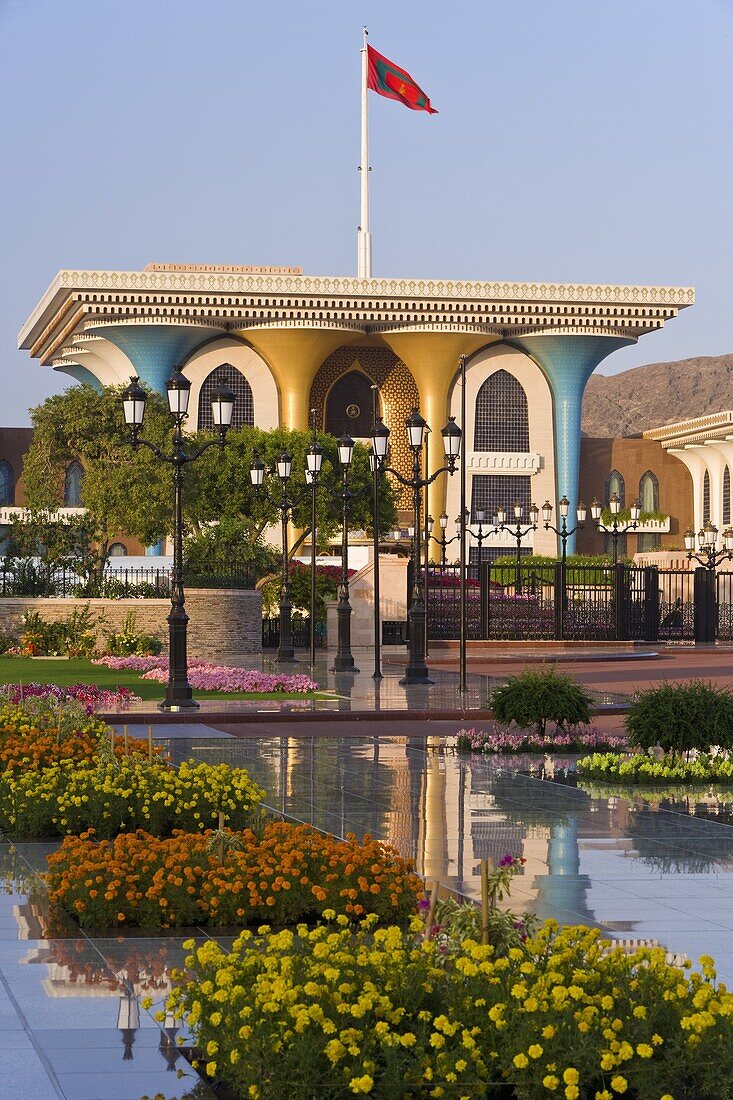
{"x": 287, "y": 343}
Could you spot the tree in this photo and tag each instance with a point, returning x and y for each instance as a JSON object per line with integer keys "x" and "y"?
{"x": 221, "y": 488}
{"x": 125, "y": 491}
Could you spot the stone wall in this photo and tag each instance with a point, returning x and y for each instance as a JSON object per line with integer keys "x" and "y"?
{"x": 392, "y": 600}
{"x": 225, "y": 623}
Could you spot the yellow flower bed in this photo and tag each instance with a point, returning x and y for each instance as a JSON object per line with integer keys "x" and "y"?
{"x": 330, "y": 1013}
{"x": 71, "y": 796}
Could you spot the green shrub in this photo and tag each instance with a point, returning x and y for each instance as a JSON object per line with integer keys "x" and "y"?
{"x": 131, "y": 642}
{"x": 681, "y": 717}
{"x": 539, "y": 696}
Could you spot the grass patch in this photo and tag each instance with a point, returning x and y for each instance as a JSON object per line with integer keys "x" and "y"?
{"x": 24, "y": 670}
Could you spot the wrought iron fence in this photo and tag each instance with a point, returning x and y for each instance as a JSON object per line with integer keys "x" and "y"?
{"x": 301, "y": 635}
{"x": 32, "y": 578}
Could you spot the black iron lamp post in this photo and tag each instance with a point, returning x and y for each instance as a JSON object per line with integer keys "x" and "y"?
{"x": 416, "y": 671}
{"x": 377, "y": 455}
{"x": 344, "y": 660}
{"x": 709, "y": 554}
{"x": 314, "y": 461}
{"x": 617, "y": 529}
{"x": 562, "y": 531}
{"x": 518, "y": 530}
{"x": 481, "y": 536}
{"x": 284, "y": 504}
{"x": 178, "y": 694}
{"x": 444, "y": 542}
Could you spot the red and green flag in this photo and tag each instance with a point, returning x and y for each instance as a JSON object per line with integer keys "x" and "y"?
{"x": 387, "y": 79}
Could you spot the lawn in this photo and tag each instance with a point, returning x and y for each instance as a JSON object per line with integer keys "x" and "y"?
{"x": 26, "y": 670}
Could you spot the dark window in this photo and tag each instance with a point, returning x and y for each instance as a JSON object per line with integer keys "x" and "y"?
{"x": 617, "y": 485}
{"x": 7, "y": 483}
{"x": 706, "y": 497}
{"x": 349, "y": 406}
{"x": 649, "y": 492}
{"x": 118, "y": 550}
{"x": 244, "y": 408}
{"x": 490, "y": 491}
{"x": 502, "y": 420}
{"x": 726, "y": 495}
{"x": 72, "y": 485}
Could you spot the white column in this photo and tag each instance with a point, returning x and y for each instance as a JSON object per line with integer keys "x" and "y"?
{"x": 693, "y": 458}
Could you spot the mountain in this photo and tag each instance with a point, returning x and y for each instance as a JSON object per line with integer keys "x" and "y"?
{"x": 659, "y": 393}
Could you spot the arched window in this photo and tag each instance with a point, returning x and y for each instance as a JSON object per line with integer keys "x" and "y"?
{"x": 726, "y": 495}
{"x": 706, "y": 497}
{"x": 349, "y": 406}
{"x": 7, "y": 483}
{"x": 72, "y": 484}
{"x": 502, "y": 419}
{"x": 118, "y": 550}
{"x": 244, "y": 406}
{"x": 617, "y": 485}
{"x": 649, "y": 492}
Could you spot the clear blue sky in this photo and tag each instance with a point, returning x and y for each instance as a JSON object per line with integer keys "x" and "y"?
{"x": 588, "y": 140}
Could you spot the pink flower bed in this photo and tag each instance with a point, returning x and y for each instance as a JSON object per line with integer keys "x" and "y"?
{"x": 207, "y": 677}
{"x": 499, "y": 739}
{"x": 92, "y": 697}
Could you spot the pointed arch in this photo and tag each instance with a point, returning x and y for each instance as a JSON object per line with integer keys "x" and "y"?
{"x": 726, "y": 495}
{"x": 502, "y": 414}
{"x": 649, "y": 492}
{"x": 706, "y": 497}
{"x": 349, "y": 405}
{"x": 615, "y": 484}
{"x": 244, "y": 410}
{"x": 73, "y": 481}
{"x": 7, "y": 483}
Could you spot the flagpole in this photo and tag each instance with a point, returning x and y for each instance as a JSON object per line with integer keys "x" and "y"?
{"x": 363, "y": 236}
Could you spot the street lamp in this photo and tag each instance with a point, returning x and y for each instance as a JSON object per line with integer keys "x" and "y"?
{"x": 416, "y": 671}
{"x": 710, "y": 555}
{"x": 178, "y": 693}
{"x": 380, "y": 442}
{"x": 443, "y": 542}
{"x": 285, "y": 505}
{"x": 344, "y": 660}
{"x": 313, "y": 464}
{"x": 481, "y": 536}
{"x": 617, "y": 528}
{"x": 562, "y": 531}
{"x": 518, "y": 530}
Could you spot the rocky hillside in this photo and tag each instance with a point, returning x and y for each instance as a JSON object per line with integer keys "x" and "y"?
{"x": 660, "y": 393}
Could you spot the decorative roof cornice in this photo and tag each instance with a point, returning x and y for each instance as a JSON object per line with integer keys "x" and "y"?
{"x": 698, "y": 429}
{"x": 234, "y": 300}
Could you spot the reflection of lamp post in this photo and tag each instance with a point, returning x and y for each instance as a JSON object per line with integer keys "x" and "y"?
{"x": 518, "y": 530}
{"x": 617, "y": 529}
{"x": 284, "y": 504}
{"x": 712, "y": 555}
{"x": 128, "y": 1021}
{"x": 167, "y": 1045}
{"x": 416, "y": 671}
{"x": 178, "y": 694}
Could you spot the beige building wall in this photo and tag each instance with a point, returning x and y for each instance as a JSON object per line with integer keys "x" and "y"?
{"x": 250, "y": 364}
{"x": 538, "y": 462}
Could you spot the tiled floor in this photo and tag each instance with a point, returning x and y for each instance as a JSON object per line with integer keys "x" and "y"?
{"x": 71, "y": 1022}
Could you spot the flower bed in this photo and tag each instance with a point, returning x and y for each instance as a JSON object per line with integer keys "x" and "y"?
{"x": 122, "y": 796}
{"x": 36, "y": 749}
{"x": 92, "y": 697}
{"x": 668, "y": 769}
{"x": 500, "y": 739}
{"x": 333, "y": 1013}
{"x": 207, "y": 677}
{"x": 284, "y": 873}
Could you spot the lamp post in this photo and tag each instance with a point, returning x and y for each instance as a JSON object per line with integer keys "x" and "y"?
{"x": 178, "y": 693}
{"x": 518, "y": 530}
{"x": 709, "y": 554}
{"x": 284, "y": 504}
{"x": 344, "y": 660}
{"x": 380, "y": 441}
{"x": 562, "y": 531}
{"x": 564, "y": 534}
{"x": 617, "y": 529}
{"x": 444, "y": 542}
{"x": 481, "y": 537}
{"x": 416, "y": 671}
{"x": 314, "y": 461}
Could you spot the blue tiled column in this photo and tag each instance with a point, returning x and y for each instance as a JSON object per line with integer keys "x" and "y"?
{"x": 568, "y": 362}
{"x": 154, "y": 350}
{"x": 81, "y": 374}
